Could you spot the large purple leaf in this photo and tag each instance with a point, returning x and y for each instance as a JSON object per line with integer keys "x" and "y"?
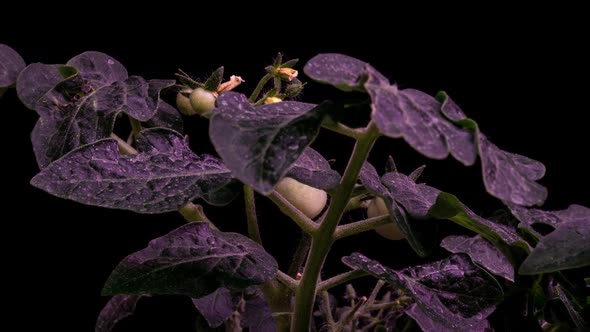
{"x": 163, "y": 177}
{"x": 118, "y": 307}
{"x": 529, "y": 217}
{"x": 567, "y": 247}
{"x": 98, "y": 69}
{"x": 314, "y": 170}
{"x": 11, "y": 64}
{"x": 218, "y": 306}
{"x": 166, "y": 117}
{"x": 422, "y": 202}
{"x": 260, "y": 144}
{"x": 342, "y": 71}
{"x": 451, "y": 295}
{"x": 192, "y": 260}
{"x": 416, "y": 117}
{"x": 482, "y": 252}
{"x": 72, "y": 114}
{"x": 418, "y": 234}
{"x": 507, "y": 176}
{"x": 34, "y": 82}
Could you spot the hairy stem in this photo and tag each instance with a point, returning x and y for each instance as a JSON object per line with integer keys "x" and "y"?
{"x": 340, "y": 279}
{"x": 328, "y": 311}
{"x": 361, "y": 226}
{"x": 259, "y": 87}
{"x": 135, "y": 127}
{"x": 306, "y": 224}
{"x": 323, "y": 238}
{"x": 300, "y": 255}
{"x": 251, "y": 218}
{"x": 123, "y": 146}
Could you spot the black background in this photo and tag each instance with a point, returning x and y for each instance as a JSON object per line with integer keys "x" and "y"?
{"x": 522, "y": 74}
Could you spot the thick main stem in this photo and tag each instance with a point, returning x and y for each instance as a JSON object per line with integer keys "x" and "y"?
{"x": 323, "y": 239}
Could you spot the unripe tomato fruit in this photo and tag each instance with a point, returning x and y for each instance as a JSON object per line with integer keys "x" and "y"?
{"x": 309, "y": 200}
{"x": 183, "y": 103}
{"x": 377, "y": 208}
{"x": 202, "y": 101}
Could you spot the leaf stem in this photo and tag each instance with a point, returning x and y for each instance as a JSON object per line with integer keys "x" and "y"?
{"x": 328, "y": 311}
{"x": 135, "y": 127}
{"x": 360, "y": 226}
{"x": 340, "y": 279}
{"x": 286, "y": 280}
{"x": 306, "y": 224}
{"x": 340, "y": 128}
{"x": 252, "y": 219}
{"x": 323, "y": 238}
{"x": 259, "y": 87}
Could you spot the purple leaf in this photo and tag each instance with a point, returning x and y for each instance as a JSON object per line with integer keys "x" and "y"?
{"x": 218, "y": 306}
{"x": 165, "y": 176}
{"x": 507, "y": 176}
{"x": 98, "y": 69}
{"x": 372, "y": 181}
{"x": 118, "y": 307}
{"x": 166, "y": 117}
{"x": 415, "y": 232}
{"x": 224, "y": 195}
{"x": 342, "y": 71}
{"x": 35, "y": 81}
{"x": 452, "y": 294}
{"x": 260, "y": 144}
{"x": 192, "y": 260}
{"x": 313, "y": 170}
{"x": 529, "y": 217}
{"x": 416, "y": 117}
{"x": 567, "y": 247}
{"x": 422, "y": 201}
{"x": 11, "y": 64}
{"x": 511, "y": 177}
{"x": 257, "y": 315}
{"x": 73, "y": 115}
{"x": 482, "y": 252}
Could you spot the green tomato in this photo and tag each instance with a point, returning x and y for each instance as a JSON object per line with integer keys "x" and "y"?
{"x": 183, "y": 103}
{"x": 202, "y": 101}
{"x": 389, "y": 231}
{"x": 309, "y": 200}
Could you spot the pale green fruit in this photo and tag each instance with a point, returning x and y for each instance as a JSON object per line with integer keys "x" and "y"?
{"x": 390, "y": 231}
{"x": 309, "y": 200}
{"x": 202, "y": 101}
{"x": 183, "y": 103}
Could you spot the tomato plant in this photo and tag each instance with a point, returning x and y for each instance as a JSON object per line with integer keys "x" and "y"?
{"x": 262, "y": 145}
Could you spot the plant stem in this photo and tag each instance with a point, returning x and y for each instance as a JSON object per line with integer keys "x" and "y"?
{"x": 252, "y": 219}
{"x": 123, "y": 146}
{"x": 342, "y": 129}
{"x": 323, "y": 238}
{"x": 328, "y": 311}
{"x": 300, "y": 255}
{"x": 286, "y": 280}
{"x": 135, "y": 127}
{"x": 340, "y": 279}
{"x": 259, "y": 87}
{"x": 360, "y": 226}
{"x": 306, "y": 224}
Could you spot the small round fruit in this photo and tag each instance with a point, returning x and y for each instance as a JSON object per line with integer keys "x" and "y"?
{"x": 202, "y": 101}
{"x": 183, "y": 103}
{"x": 389, "y": 231}
{"x": 309, "y": 200}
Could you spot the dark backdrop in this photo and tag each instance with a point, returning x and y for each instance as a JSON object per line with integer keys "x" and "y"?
{"x": 520, "y": 74}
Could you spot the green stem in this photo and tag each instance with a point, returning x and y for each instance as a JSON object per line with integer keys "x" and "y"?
{"x": 340, "y": 279}
{"x": 303, "y": 221}
{"x": 365, "y": 225}
{"x": 123, "y": 146}
{"x": 135, "y": 127}
{"x": 328, "y": 311}
{"x": 342, "y": 129}
{"x": 323, "y": 238}
{"x": 259, "y": 87}
{"x": 286, "y": 280}
{"x": 251, "y": 218}
{"x": 300, "y": 255}
{"x": 272, "y": 289}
